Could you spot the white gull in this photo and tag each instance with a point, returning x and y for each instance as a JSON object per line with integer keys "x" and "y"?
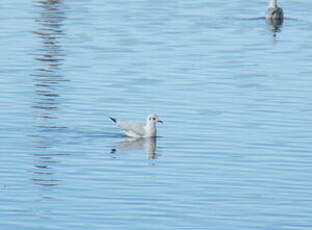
{"x": 133, "y": 129}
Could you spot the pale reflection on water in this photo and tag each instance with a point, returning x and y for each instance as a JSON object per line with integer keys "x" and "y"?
{"x": 149, "y": 145}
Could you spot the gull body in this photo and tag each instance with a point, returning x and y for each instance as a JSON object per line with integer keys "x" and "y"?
{"x": 134, "y": 129}
{"x": 274, "y": 12}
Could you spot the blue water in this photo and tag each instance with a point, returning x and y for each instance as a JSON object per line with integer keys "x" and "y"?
{"x": 234, "y": 93}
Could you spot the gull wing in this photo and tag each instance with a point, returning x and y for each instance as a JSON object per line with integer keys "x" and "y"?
{"x": 131, "y": 128}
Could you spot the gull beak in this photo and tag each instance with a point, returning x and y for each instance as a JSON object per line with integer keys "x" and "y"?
{"x": 160, "y": 121}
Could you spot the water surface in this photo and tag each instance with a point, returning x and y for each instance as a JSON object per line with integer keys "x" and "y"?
{"x": 234, "y": 151}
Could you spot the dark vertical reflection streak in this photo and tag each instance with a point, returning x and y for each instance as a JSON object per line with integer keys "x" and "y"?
{"x": 274, "y": 26}
{"x": 47, "y": 78}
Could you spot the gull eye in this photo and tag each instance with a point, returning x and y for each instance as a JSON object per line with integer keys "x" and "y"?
{"x": 154, "y": 118}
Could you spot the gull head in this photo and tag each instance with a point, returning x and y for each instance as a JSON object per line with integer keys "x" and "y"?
{"x": 153, "y": 119}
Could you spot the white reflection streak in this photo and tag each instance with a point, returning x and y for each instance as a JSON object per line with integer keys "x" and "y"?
{"x": 148, "y": 144}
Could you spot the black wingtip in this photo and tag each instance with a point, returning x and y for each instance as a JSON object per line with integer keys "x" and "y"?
{"x": 113, "y": 119}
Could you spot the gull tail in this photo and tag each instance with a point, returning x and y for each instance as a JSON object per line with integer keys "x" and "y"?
{"x": 113, "y": 119}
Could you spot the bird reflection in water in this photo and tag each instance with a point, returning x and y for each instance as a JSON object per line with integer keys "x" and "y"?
{"x": 148, "y": 144}
{"x": 274, "y": 25}
{"x": 47, "y": 77}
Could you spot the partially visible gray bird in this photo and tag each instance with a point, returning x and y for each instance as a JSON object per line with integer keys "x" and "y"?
{"x": 274, "y": 12}
{"x": 133, "y": 129}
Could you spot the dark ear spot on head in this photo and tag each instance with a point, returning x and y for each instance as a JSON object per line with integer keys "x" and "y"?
{"x": 154, "y": 118}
